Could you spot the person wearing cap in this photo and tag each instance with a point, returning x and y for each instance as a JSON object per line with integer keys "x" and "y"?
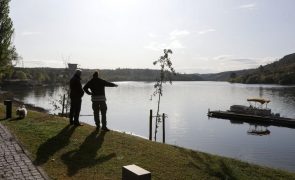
{"x": 76, "y": 94}
{"x": 98, "y": 98}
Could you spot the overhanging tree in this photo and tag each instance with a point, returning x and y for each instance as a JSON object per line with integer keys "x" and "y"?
{"x": 8, "y": 52}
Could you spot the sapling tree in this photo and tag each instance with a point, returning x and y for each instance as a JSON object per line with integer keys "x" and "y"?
{"x": 62, "y": 101}
{"x": 166, "y": 72}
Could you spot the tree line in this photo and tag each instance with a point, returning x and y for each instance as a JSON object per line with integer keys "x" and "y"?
{"x": 62, "y": 75}
{"x": 278, "y": 72}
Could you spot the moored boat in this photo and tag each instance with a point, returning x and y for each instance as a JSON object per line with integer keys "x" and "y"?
{"x": 256, "y": 112}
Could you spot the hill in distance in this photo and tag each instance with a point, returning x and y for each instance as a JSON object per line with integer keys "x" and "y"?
{"x": 278, "y": 72}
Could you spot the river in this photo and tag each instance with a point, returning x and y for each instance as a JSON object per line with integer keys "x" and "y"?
{"x": 187, "y": 125}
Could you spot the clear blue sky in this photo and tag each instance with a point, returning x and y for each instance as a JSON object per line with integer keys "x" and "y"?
{"x": 205, "y": 36}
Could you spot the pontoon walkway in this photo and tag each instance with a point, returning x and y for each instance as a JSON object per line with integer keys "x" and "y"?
{"x": 266, "y": 120}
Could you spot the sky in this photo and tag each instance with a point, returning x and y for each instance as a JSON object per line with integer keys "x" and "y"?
{"x": 206, "y": 36}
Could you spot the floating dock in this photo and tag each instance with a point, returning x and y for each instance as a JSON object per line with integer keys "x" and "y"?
{"x": 265, "y": 120}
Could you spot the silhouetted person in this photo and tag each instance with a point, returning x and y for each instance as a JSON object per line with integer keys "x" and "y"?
{"x": 97, "y": 87}
{"x": 76, "y": 93}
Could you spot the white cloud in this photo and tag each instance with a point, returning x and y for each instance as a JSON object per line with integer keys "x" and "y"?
{"x": 30, "y": 33}
{"x": 41, "y": 63}
{"x": 175, "y": 45}
{"x": 156, "y": 46}
{"x": 222, "y": 57}
{"x": 178, "y": 33}
{"x": 226, "y": 62}
{"x": 152, "y": 35}
{"x": 238, "y": 63}
{"x": 206, "y": 31}
{"x": 247, "y": 60}
{"x": 250, "y": 6}
{"x": 172, "y": 42}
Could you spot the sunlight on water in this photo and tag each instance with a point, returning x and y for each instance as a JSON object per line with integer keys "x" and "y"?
{"x": 186, "y": 104}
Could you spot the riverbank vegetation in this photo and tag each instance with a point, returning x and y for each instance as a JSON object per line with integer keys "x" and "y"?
{"x": 66, "y": 152}
{"x": 53, "y": 76}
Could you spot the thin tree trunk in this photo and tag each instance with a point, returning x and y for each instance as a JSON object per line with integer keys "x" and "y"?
{"x": 157, "y": 116}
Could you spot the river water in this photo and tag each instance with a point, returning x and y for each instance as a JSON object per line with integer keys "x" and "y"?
{"x": 187, "y": 125}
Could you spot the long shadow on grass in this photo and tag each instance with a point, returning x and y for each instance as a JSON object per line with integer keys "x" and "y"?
{"x": 16, "y": 119}
{"x": 86, "y": 155}
{"x": 54, "y": 144}
{"x": 214, "y": 167}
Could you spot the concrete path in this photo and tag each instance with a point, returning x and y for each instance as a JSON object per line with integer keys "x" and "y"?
{"x": 14, "y": 162}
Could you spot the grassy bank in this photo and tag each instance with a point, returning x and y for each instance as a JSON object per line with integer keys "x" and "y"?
{"x": 66, "y": 152}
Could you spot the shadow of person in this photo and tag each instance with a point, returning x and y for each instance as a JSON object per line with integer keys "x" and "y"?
{"x": 216, "y": 168}
{"x": 54, "y": 144}
{"x": 86, "y": 155}
{"x": 16, "y": 119}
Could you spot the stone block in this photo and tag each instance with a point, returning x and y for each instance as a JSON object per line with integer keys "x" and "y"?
{"x": 134, "y": 172}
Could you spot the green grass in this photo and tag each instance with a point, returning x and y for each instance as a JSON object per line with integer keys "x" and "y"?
{"x": 65, "y": 152}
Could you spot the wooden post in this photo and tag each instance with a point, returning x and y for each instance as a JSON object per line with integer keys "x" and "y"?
{"x": 163, "y": 119}
{"x": 63, "y": 105}
{"x": 8, "y": 104}
{"x": 151, "y": 124}
{"x": 67, "y": 104}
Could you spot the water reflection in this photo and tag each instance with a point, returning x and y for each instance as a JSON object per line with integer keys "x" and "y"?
{"x": 38, "y": 96}
{"x": 258, "y": 130}
{"x": 254, "y": 128}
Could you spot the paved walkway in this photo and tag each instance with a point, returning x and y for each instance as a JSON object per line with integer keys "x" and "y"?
{"x": 14, "y": 163}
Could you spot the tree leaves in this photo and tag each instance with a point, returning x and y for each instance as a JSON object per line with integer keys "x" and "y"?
{"x": 8, "y": 52}
{"x": 166, "y": 71}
